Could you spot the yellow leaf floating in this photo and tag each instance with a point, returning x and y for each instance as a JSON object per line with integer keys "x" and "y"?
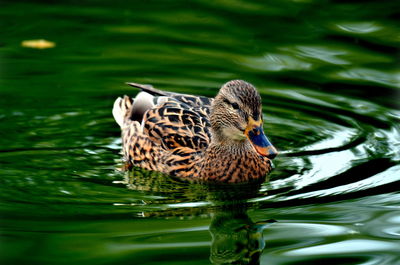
{"x": 38, "y": 44}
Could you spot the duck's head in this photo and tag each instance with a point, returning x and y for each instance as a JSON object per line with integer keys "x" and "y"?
{"x": 236, "y": 117}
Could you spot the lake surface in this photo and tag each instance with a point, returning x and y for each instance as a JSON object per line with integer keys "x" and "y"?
{"x": 328, "y": 73}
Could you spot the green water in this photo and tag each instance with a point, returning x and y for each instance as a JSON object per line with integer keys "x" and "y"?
{"x": 328, "y": 73}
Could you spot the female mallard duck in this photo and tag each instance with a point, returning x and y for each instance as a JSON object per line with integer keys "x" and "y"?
{"x": 194, "y": 137}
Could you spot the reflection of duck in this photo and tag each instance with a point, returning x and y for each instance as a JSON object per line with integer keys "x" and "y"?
{"x": 236, "y": 239}
{"x": 197, "y": 138}
{"x": 159, "y": 185}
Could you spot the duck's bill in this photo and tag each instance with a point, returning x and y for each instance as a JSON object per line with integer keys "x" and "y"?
{"x": 260, "y": 142}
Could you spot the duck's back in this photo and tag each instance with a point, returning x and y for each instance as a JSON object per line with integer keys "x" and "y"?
{"x": 164, "y": 131}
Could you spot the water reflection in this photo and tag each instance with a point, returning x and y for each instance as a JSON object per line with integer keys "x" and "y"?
{"x": 236, "y": 239}
{"x": 359, "y": 27}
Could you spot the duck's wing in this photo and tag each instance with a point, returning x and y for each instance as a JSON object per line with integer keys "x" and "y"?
{"x": 175, "y": 124}
{"x": 164, "y": 131}
{"x": 200, "y": 103}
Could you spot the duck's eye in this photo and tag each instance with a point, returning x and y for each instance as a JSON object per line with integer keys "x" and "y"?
{"x": 235, "y": 105}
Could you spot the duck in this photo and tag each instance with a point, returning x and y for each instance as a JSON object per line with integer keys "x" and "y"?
{"x": 196, "y": 138}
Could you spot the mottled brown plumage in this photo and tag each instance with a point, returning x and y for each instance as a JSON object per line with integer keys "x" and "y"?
{"x": 196, "y": 138}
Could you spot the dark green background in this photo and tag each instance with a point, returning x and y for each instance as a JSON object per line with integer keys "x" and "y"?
{"x": 328, "y": 73}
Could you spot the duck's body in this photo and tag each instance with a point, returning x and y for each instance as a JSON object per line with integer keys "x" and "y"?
{"x": 196, "y": 138}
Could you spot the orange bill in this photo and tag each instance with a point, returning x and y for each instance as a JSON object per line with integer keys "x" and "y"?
{"x": 255, "y": 133}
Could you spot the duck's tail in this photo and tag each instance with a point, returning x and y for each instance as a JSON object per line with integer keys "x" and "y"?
{"x": 129, "y": 109}
{"x": 122, "y": 106}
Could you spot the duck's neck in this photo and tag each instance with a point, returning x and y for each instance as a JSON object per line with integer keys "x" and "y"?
{"x": 232, "y": 147}
{"x": 232, "y": 161}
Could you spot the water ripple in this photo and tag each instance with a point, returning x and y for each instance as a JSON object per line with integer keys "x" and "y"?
{"x": 347, "y": 246}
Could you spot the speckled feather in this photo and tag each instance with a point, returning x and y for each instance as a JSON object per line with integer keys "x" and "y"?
{"x": 175, "y": 137}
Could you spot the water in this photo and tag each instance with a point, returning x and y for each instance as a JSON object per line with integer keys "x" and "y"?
{"x": 328, "y": 72}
